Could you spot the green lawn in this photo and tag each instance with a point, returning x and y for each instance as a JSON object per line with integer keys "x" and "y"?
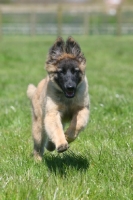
{"x": 99, "y": 164}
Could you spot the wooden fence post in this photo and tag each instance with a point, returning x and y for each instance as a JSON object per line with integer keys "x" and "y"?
{"x": 59, "y": 20}
{"x": 119, "y": 20}
{"x": 86, "y": 23}
{"x": 33, "y": 23}
{"x": 0, "y": 24}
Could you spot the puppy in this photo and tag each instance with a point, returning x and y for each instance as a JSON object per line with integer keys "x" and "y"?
{"x": 61, "y": 97}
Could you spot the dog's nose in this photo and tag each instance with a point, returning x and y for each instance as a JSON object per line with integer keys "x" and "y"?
{"x": 70, "y": 88}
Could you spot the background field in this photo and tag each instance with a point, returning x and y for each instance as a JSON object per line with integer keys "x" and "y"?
{"x": 99, "y": 164}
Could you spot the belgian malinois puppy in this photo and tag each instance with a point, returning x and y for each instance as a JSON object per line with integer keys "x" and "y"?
{"x": 61, "y": 97}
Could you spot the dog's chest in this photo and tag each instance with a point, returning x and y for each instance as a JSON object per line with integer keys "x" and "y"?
{"x": 68, "y": 107}
{"x": 66, "y": 111}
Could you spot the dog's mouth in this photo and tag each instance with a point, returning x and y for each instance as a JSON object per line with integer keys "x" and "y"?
{"x": 70, "y": 93}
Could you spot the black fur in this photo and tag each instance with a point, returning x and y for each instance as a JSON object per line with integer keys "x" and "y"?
{"x": 68, "y": 76}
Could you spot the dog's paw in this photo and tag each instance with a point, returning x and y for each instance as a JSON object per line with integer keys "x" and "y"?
{"x": 70, "y": 139}
{"x": 63, "y": 147}
{"x": 37, "y": 157}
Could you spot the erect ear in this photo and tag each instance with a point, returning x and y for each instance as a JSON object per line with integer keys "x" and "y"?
{"x": 73, "y": 48}
{"x": 56, "y": 50}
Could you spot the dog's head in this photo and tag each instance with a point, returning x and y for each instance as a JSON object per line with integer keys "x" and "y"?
{"x": 66, "y": 65}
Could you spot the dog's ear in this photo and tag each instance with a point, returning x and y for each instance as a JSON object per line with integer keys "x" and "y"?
{"x": 56, "y": 50}
{"x": 73, "y": 48}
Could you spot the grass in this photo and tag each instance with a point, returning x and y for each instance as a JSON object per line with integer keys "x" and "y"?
{"x": 99, "y": 164}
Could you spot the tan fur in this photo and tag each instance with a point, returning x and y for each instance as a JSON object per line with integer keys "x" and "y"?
{"x": 51, "y": 109}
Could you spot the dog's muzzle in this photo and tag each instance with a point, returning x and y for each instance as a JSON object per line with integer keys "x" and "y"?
{"x": 70, "y": 91}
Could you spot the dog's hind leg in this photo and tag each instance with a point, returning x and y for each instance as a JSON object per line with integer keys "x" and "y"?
{"x": 39, "y": 138}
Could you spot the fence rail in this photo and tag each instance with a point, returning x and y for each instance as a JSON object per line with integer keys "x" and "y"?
{"x": 64, "y": 19}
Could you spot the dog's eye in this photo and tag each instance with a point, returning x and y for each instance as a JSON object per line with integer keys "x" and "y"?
{"x": 62, "y": 71}
{"x": 74, "y": 70}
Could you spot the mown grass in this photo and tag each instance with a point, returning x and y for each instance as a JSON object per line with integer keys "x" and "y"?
{"x": 99, "y": 164}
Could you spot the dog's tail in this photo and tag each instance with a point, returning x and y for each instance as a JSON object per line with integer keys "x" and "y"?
{"x": 30, "y": 91}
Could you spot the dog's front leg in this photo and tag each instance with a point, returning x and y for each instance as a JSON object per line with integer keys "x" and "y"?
{"x": 54, "y": 130}
{"x": 79, "y": 121}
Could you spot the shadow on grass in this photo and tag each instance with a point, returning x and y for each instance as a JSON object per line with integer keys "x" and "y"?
{"x": 61, "y": 163}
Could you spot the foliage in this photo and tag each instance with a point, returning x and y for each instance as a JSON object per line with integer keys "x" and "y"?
{"x": 99, "y": 164}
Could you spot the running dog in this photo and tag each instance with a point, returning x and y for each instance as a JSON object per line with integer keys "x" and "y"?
{"x": 59, "y": 98}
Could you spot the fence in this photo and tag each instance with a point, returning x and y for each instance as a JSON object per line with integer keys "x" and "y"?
{"x": 64, "y": 19}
